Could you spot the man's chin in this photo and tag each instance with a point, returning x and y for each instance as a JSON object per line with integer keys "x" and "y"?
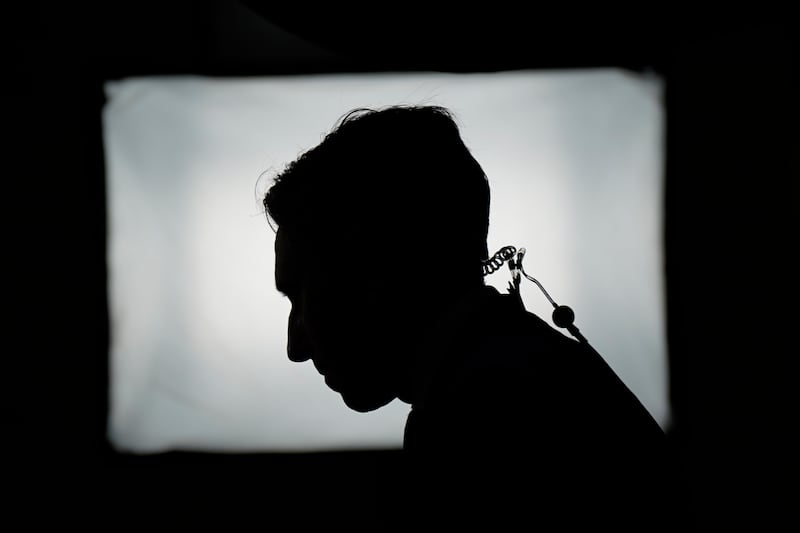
{"x": 364, "y": 403}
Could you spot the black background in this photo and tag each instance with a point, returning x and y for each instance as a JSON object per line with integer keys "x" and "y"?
{"x": 730, "y": 197}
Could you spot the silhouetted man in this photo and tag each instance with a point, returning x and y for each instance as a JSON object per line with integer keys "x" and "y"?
{"x": 511, "y": 420}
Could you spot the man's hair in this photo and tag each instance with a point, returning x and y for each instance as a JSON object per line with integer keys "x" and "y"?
{"x": 401, "y": 175}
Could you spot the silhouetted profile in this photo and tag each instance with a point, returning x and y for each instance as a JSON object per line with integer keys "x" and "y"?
{"x": 511, "y": 420}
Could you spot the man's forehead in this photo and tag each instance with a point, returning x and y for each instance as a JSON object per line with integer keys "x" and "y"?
{"x": 296, "y": 256}
{"x": 287, "y": 261}
{"x": 291, "y": 244}
{"x": 281, "y": 241}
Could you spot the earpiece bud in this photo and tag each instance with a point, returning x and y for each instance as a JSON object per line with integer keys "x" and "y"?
{"x": 563, "y": 316}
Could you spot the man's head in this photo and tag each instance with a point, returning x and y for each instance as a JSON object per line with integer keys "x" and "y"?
{"x": 362, "y": 219}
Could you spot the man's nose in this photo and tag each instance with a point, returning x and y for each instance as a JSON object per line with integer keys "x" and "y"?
{"x": 298, "y": 346}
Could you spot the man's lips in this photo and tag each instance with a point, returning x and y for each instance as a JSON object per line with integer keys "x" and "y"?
{"x": 331, "y": 383}
{"x": 320, "y": 367}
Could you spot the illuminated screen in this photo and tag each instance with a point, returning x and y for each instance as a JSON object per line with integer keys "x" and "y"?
{"x": 198, "y": 331}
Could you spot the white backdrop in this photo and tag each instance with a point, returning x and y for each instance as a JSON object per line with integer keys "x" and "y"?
{"x": 574, "y": 160}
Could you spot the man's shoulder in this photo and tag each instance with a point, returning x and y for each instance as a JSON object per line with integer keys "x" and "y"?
{"x": 518, "y": 341}
{"x": 520, "y": 365}
{"x": 506, "y": 361}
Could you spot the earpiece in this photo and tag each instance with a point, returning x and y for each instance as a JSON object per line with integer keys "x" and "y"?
{"x": 563, "y": 316}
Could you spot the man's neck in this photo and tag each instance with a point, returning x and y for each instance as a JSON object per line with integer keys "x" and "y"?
{"x": 442, "y": 330}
